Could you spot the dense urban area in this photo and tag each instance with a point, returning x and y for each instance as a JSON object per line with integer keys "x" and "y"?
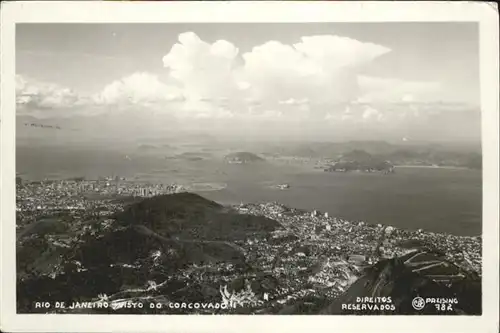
{"x": 121, "y": 242}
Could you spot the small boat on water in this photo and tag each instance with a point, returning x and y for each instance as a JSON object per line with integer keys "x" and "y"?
{"x": 283, "y": 186}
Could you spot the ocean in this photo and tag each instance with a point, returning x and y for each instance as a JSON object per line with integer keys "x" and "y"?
{"x": 433, "y": 199}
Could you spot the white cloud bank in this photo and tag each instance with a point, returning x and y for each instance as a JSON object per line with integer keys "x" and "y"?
{"x": 319, "y": 68}
{"x": 204, "y": 70}
{"x": 214, "y": 80}
{"x": 138, "y": 88}
{"x": 33, "y": 94}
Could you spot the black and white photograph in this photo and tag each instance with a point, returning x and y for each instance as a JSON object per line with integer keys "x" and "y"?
{"x": 249, "y": 168}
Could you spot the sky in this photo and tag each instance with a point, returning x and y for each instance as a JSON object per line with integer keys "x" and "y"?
{"x": 249, "y": 71}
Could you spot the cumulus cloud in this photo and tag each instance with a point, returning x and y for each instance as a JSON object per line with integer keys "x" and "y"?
{"x": 138, "y": 88}
{"x": 35, "y": 95}
{"x": 320, "y": 68}
{"x": 333, "y": 52}
{"x": 204, "y": 70}
{"x": 370, "y": 113}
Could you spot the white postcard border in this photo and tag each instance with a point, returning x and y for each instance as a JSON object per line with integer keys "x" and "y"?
{"x": 127, "y": 12}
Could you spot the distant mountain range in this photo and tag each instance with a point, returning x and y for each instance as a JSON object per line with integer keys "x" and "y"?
{"x": 405, "y": 153}
{"x": 420, "y": 157}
